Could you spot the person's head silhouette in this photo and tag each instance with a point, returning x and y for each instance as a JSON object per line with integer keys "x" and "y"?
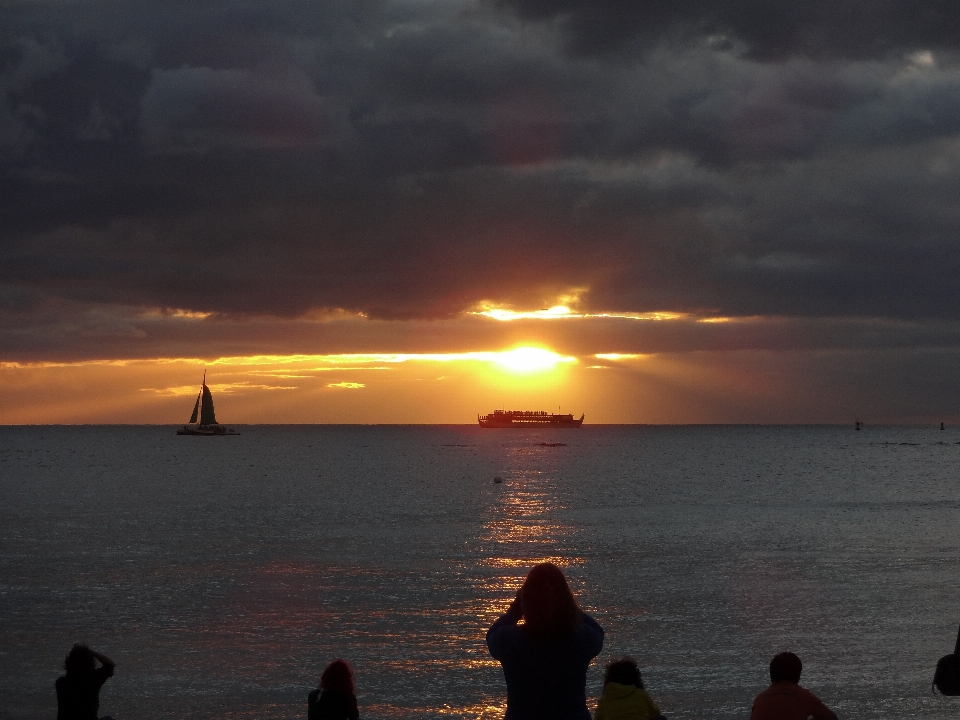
{"x": 946, "y": 678}
{"x": 785, "y": 666}
{"x": 338, "y": 676}
{"x": 79, "y": 661}
{"x": 623, "y": 672}
{"x": 549, "y": 608}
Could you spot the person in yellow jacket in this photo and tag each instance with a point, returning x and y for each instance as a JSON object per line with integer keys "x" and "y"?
{"x": 624, "y": 697}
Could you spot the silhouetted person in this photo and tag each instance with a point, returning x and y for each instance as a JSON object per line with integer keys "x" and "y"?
{"x": 334, "y": 697}
{"x": 624, "y": 697}
{"x": 545, "y": 659}
{"x": 947, "y": 676}
{"x": 785, "y": 699}
{"x": 78, "y": 692}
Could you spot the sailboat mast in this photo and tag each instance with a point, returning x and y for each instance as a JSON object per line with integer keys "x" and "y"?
{"x": 208, "y": 415}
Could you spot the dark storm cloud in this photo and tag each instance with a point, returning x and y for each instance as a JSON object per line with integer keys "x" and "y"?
{"x": 197, "y": 106}
{"x": 409, "y": 160}
{"x": 818, "y": 28}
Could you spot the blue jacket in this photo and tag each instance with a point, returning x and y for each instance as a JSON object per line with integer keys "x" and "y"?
{"x": 545, "y": 680}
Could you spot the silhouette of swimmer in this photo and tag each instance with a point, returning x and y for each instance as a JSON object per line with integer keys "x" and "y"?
{"x": 785, "y": 699}
{"x": 946, "y": 678}
{"x": 545, "y": 659}
{"x": 624, "y": 697}
{"x": 78, "y": 692}
{"x": 334, "y": 697}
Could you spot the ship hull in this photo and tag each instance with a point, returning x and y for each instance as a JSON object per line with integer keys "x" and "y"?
{"x": 529, "y": 426}
{"x": 206, "y": 430}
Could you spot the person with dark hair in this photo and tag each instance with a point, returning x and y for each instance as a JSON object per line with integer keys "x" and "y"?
{"x": 785, "y": 699}
{"x": 78, "y": 691}
{"x": 545, "y": 659}
{"x": 624, "y": 697}
{"x": 334, "y": 697}
{"x": 946, "y": 678}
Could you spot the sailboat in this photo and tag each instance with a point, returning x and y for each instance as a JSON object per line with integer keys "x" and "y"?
{"x": 203, "y": 408}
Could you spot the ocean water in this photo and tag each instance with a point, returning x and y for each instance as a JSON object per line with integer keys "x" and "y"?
{"x": 223, "y": 574}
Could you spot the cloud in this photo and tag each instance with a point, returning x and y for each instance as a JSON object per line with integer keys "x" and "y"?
{"x": 820, "y": 28}
{"x": 76, "y": 333}
{"x": 15, "y": 133}
{"x": 207, "y": 107}
{"x": 405, "y": 162}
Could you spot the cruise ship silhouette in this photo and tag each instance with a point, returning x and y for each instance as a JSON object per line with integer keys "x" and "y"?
{"x": 528, "y": 419}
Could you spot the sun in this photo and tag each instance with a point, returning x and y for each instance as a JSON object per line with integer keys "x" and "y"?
{"x": 530, "y": 359}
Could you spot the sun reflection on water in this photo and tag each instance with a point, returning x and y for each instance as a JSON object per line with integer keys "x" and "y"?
{"x": 523, "y": 523}
{"x": 475, "y": 711}
{"x": 526, "y": 563}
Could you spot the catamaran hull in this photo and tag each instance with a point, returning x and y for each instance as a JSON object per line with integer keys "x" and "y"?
{"x": 206, "y": 431}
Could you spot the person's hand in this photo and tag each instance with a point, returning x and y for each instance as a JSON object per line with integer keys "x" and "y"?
{"x": 517, "y": 603}
{"x": 104, "y": 660}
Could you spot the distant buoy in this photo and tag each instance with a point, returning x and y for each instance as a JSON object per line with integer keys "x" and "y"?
{"x": 498, "y": 480}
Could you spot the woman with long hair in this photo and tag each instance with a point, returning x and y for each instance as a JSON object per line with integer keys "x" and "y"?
{"x": 545, "y": 659}
{"x": 334, "y": 697}
{"x": 78, "y": 691}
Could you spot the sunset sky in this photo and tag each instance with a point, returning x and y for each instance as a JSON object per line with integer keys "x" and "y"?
{"x": 362, "y": 211}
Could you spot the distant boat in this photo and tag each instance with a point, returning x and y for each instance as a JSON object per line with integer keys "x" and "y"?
{"x": 527, "y": 419}
{"x": 203, "y": 408}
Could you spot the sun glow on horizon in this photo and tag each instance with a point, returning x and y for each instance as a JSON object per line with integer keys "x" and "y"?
{"x": 518, "y": 359}
{"x": 348, "y": 387}
{"x": 524, "y": 358}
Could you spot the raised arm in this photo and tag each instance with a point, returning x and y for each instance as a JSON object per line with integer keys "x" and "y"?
{"x": 594, "y": 635}
{"x": 103, "y": 659}
{"x": 510, "y": 618}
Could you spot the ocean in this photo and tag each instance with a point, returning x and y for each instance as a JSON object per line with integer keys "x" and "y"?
{"x": 222, "y": 574}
